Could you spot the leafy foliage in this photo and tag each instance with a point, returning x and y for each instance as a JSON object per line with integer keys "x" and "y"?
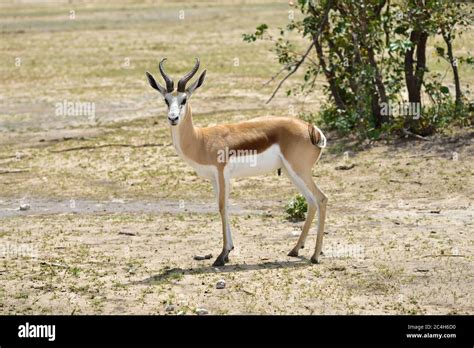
{"x": 296, "y": 208}
{"x": 372, "y": 53}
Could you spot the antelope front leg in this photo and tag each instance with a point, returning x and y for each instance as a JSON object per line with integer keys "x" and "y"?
{"x": 222, "y": 194}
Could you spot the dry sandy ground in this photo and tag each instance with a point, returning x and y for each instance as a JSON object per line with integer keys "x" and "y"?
{"x": 400, "y": 240}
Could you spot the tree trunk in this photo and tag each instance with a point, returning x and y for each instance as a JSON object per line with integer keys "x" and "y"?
{"x": 376, "y": 110}
{"x": 329, "y": 75}
{"x": 421, "y": 61}
{"x": 321, "y": 26}
{"x": 414, "y": 77}
{"x": 449, "y": 44}
{"x": 378, "y": 94}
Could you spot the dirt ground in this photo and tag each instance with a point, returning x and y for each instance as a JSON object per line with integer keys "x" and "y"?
{"x": 399, "y": 240}
{"x": 112, "y": 218}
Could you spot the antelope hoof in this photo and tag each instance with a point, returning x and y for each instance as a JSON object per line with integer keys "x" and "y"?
{"x": 314, "y": 259}
{"x": 293, "y": 253}
{"x": 221, "y": 259}
{"x": 219, "y": 262}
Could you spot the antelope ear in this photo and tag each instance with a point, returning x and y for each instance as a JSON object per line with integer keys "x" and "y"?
{"x": 154, "y": 84}
{"x": 196, "y": 84}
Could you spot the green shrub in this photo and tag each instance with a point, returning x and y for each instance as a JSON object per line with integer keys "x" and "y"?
{"x": 450, "y": 114}
{"x": 343, "y": 122}
{"x": 370, "y": 52}
{"x": 296, "y": 208}
{"x": 309, "y": 117}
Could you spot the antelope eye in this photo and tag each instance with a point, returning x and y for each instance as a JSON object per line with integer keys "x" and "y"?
{"x": 183, "y": 102}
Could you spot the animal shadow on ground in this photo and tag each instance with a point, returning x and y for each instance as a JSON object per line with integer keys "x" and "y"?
{"x": 173, "y": 273}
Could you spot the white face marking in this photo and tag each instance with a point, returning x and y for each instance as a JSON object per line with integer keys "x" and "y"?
{"x": 176, "y": 107}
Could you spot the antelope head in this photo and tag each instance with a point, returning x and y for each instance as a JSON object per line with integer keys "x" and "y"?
{"x": 176, "y": 100}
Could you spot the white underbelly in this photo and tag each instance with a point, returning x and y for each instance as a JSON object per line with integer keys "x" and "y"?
{"x": 255, "y": 164}
{"x": 242, "y": 166}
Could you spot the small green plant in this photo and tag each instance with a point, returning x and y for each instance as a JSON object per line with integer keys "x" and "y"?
{"x": 75, "y": 271}
{"x": 296, "y": 208}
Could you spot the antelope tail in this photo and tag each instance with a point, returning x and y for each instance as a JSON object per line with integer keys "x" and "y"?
{"x": 317, "y": 140}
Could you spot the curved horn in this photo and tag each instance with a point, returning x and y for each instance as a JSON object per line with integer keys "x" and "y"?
{"x": 187, "y": 77}
{"x": 169, "y": 82}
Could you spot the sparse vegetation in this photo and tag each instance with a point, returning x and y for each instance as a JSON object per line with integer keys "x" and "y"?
{"x": 296, "y": 208}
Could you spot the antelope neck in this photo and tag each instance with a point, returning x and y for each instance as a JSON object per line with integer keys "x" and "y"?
{"x": 185, "y": 136}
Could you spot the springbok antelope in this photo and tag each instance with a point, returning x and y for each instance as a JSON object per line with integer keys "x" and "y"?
{"x": 276, "y": 142}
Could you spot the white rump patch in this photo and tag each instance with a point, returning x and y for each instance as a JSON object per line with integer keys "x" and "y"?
{"x": 322, "y": 141}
